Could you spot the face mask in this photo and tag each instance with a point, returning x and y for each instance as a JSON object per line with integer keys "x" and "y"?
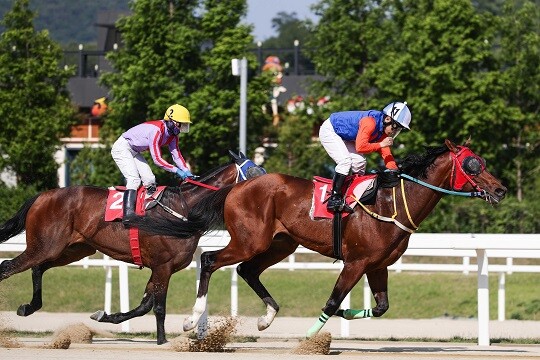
{"x": 172, "y": 129}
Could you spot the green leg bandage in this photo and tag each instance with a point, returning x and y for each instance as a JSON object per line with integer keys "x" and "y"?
{"x": 351, "y": 314}
{"x": 318, "y": 325}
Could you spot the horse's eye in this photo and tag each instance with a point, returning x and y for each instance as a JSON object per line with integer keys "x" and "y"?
{"x": 472, "y": 165}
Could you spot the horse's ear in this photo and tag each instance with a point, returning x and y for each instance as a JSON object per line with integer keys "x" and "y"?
{"x": 242, "y": 155}
{"x": 467, "y": 142}
{"x": 233, "y": 155}
{"x": 451, "y": 145}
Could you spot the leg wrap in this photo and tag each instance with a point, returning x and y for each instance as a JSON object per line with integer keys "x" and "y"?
{"x": 318, "y": 325}
{"x": 351, "y": 314}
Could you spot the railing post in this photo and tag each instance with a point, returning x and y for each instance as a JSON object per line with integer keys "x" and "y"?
{"x": 202, "y": 328}
{"x": 483, "y": 298}
{"x": 501, "y": 298}
{"x": 234, "y": 292}
{"x": 124, "y": 293}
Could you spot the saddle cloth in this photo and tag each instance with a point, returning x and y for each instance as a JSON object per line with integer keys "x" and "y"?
{"x": 322, "y": 188}
{"x": 115, "y": 201}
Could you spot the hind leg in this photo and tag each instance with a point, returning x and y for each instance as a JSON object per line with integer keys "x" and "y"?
{"x": 71, "y": 254}
{"x": 235, "y": 252}
{"x": 155, "y": 295}
{"x": 250, "y": 271}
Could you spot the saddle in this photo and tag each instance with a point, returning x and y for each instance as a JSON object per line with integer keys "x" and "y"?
{"x": 115, "y": 201}
{"x": 362, "y": 187}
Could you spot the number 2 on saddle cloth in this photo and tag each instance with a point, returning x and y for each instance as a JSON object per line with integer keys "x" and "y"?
{"x": 356, "y": 186}
{"x": 114, "y": 211}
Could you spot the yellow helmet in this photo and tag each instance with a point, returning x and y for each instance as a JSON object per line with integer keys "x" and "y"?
{"x": 177, "y": 113}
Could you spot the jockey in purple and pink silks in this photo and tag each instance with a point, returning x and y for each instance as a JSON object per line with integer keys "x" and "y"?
{"x": 150, "y": 135}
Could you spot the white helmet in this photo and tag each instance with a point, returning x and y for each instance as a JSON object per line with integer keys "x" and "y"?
{"x": 399, "y": 112}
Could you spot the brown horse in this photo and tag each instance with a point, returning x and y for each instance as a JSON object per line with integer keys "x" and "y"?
{"x": 65, "y": 225}
{"x": 268, "y": 217}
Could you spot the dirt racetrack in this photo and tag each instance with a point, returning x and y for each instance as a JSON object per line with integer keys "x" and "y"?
{"x": 281, "y": 342}
{"x": 266, "y": 349}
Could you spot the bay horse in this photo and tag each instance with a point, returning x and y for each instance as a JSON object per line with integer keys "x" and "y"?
{"x": 269, "y": 217}
{"x": 67, "y": 224}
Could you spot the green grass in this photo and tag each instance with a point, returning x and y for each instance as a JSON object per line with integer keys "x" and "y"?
{"x": 299, "y": 293}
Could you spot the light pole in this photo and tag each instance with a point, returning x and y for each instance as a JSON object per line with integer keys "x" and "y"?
{"x": 239, "y": 68}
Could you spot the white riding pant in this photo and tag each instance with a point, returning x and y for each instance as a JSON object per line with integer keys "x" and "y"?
{"x": 341, "y": 151}
{"x": 132, "y": 165}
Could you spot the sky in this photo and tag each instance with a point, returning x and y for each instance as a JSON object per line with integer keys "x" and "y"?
{"x": 261, "y": 12}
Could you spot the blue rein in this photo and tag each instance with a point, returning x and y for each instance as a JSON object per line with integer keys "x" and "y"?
{"x": 436, "y": 188}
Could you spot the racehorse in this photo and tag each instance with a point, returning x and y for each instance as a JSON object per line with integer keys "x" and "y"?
{"x": 67, "y": 224}
{"x": 269, "y": 216}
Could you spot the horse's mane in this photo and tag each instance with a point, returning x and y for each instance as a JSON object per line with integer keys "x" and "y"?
{"x": 417, "y": 165}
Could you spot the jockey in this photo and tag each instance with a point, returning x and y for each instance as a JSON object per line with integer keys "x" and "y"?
{"x": 150, "y": 135}
{"x": 347, "y": 136}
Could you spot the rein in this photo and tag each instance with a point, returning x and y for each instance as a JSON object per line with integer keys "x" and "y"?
{"x": 393, "y": 219}
{"x": 198, "y": 183}
{"x": 445, "y": 191}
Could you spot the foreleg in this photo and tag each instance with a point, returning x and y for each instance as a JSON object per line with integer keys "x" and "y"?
{"x": 348, "y": 278}
{"x": 378, "y": 282}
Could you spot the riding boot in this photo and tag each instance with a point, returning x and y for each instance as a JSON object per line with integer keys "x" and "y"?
{"x": 129, "y": 206}
{"x": 336, "y": 201}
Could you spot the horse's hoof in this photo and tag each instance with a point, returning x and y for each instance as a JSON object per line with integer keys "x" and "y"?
{"x": 25, "y": 310}
{"x": 189, "y": 324}
{"x": 98, "y": 315}
{"x": 262, "y": 324}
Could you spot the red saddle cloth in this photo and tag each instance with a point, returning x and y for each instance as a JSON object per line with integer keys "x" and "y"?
{"x": 322, "y": 187}
{"x": 113, "y": 211}
{"x": 115, "y": 201}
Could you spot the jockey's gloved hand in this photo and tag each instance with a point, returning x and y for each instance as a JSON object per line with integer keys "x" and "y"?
{"x": 183, "y": 174}
{"x": 392, "y": 173}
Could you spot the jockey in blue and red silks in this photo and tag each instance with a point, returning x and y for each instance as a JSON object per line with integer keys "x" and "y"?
{"x": 150, "y": 135}
{"x": 348, "y": 135}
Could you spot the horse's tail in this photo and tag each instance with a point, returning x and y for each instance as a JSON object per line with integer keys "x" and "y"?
{"x": 204, "y": 216}
{"x": 17, "y": 223}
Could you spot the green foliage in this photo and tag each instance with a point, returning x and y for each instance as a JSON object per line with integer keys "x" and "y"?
{"x": 35, "y": 106}
{"x": 13, "y": 199}
{"x": 292, "y": 156}
{"x": 95, "y": 167}
{"x": 464, "y": 215}
{"x": 290, "y": 29}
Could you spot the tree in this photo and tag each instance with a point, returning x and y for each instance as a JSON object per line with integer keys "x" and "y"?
{"x": 347, "y": 39}
{"x": 180, "y": 51}
{"x": 35, "y": 108}
{"x": 290, "y": 29}
{"x": 519, "y": 30}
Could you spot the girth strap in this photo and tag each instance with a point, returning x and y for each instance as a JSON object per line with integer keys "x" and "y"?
{"x": 336, "y": 236}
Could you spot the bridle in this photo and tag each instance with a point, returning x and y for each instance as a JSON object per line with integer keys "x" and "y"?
{"x": 465, "y": 166}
